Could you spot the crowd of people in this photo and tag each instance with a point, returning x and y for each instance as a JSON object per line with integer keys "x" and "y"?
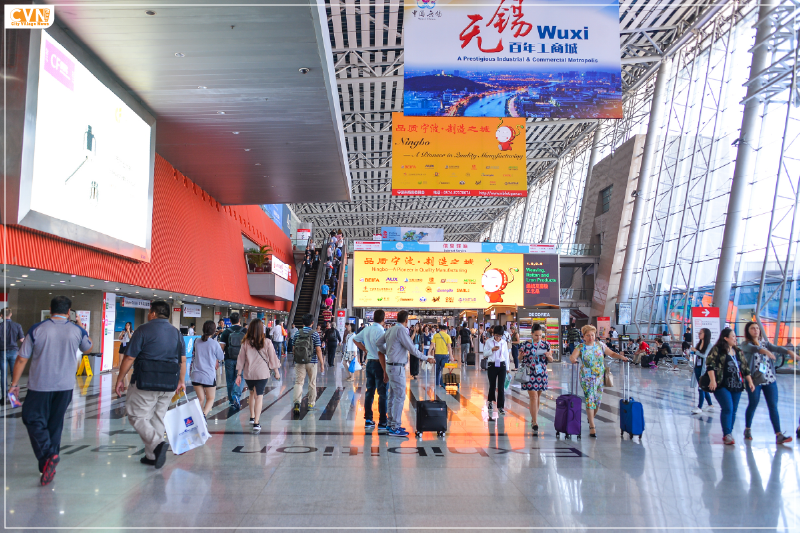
{"x": 156, "y": 354}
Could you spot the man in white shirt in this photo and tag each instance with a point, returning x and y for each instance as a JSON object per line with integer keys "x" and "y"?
{"x": 191, "y": 330}
{"x": 496, "y": 351}
{"x": 276, "y": 333}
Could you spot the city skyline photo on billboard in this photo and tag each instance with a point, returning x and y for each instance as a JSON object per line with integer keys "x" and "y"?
{"x": 508, "y": 58}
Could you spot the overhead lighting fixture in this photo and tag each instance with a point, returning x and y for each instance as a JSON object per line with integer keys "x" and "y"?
{"x": 247, "y": 149}
{"x": 33, "y": 270}
{"x": 180, "y": 54}
{"x": 258, "y": 164}
{"x": 235, "y": 132}
{"x": 202, "y": 87}
{"x": 220, "y": 112}
{"x": 12, "y": 284}
{"x": 304, "y": 70}
{"x": 62, "y": 281}
{"x": 24, "y": 275}
{"x": 151, "y": 13}
{"x": 116, "y": 289}
{"x": 73, "y": 275}
{"x": 91, "y": 285}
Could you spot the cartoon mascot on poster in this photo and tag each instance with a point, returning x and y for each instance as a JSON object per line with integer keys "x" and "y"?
{"x": 494, "y": 282}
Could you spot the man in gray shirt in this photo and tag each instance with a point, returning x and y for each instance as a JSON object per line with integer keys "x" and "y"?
{"x": 157, "y": 342}
{"x": 10, "y": 333}
{"x": 393, "y": 349}
{"x": 51, "y": 346}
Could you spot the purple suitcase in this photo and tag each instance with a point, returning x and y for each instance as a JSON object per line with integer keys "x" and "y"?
{"x": 568, "y": 409}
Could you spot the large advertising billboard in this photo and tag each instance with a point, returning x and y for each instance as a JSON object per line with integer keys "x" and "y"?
{"x": 508, "y": 58}
{"x": 458, "y": 156}
{"x": 395, "y": 233}
{"x": 88, "y": 159}
{"x": 440, "y": 280}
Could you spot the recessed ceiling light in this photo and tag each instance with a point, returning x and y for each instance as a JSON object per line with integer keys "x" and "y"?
{"x": 12, "y": 284}
{"x": 180, "y": 54}
{"x": 235, "y": 132}
{"x": 258, "y": 164}
{"x": 62, "y": 281}
{"x": 137, "y": 292}
{"x": 91, "y": 285}
{"x": 116, "y": 289}
{"x": 24, "y": 275}
{"x": 33, "y": 270}
{"x": 151, "y": 13}
{"x": 220, "y": 112}
{"x": 247, "y": 149}
{"x": 202, "y": 87}
{"x": 73, "y": 275}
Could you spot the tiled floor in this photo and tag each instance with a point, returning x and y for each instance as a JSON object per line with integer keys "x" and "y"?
{"x": 323, "y": 471}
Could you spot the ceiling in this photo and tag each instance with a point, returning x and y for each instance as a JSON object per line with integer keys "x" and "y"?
{"x": 240, "y": 60}
{"x": 367, "y": 53}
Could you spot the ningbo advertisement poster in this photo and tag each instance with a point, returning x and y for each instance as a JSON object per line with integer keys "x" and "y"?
{"x": 504, "y": 58}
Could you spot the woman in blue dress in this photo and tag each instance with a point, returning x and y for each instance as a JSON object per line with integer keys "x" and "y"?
{"x": 535, "y": 354}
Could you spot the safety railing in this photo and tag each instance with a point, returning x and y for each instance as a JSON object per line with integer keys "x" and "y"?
{"x": 577, "y": 294}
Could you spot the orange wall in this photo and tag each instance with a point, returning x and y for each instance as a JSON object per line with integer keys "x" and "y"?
{"x": 196, "y": 245}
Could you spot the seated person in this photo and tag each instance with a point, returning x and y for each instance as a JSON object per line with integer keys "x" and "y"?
{"x": 662, "y": 350}
{"x": 686, "y": 350}
{"x": 643, "y": 349}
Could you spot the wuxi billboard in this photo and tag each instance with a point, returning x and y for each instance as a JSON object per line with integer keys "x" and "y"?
{"x": 506, "y": 58}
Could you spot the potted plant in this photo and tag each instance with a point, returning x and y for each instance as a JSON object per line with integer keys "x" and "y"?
{"x": 256, "y": 257}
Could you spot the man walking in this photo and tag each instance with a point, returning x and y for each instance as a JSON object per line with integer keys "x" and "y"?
{"x": 51, "y": 346}
{"x": 10, "y": 334}
{"x": 466, "y": 338}
{"x": 307, "y": 351}
{"x": 277, "y": 338}
{"x": 393, "y": 349}
{"x": 231, "y": 342}
{"x": 158, "y": 356}
{"x": 367, "y": 340}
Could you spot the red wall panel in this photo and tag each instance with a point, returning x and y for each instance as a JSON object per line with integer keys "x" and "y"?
{"x": 196, "y": 245}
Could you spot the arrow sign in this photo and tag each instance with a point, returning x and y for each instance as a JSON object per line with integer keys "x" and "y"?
{"x": 705, "y": 317}
{"x": 705, "y": 312}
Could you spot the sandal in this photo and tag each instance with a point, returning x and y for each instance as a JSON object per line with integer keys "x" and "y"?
{"x": 593, "y": 435}
{"x": 535, "y": 428}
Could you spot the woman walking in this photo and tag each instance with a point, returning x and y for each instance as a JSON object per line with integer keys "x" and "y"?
{"x": 499, "y": 360}
{"x": 515, "y": 346}
{"x": 205, "y": 361}
{"x": 759, "y": 354}
{"x": 536, "y": 354}
{"x": 125, "y": 337}
{"x": 349, "y": 352}
{"x": 728, "y": 374}
{"x": 416, "y": 338}
{"x": 591, "y": 352}
{"x": 700, "y": 354}
{"x": 256, "y": 359}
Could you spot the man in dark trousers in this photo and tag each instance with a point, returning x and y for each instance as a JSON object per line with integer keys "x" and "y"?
{"x": 10, "y": 334}
{"x": 51, "y": 346}
{"x": 231, "y": 342}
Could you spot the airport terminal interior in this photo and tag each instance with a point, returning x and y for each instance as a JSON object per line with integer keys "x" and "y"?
{"x": 384, "y": 265}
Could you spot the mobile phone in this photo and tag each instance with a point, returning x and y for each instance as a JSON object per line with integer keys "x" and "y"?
{"x": 12, "y": 399}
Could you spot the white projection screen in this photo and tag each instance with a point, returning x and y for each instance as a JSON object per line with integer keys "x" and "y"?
{"x": 88, "y": 152}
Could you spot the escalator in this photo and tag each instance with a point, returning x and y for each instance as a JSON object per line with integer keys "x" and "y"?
{"x": 307, "y": 291}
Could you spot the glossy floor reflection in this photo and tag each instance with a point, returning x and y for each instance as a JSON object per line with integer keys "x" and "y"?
{"x": 323, "y": 471}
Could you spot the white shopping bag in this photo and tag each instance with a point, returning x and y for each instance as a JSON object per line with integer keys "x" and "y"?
{"x": 186, "y": 427}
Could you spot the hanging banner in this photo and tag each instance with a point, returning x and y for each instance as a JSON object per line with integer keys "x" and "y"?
{"x": 109, "y": 318}
{"x": 341, "y": 320}
{"x": 84, "y": 319}
{"x": 458, "y": 157}
{"x": 393, "y": 233}
{"x": 508, "y": 58}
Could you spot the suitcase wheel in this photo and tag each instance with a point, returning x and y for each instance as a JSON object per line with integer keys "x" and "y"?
{"x": 557, "y": 434}
{"x": 440, "y": 433}
{"x": 622, "y": 435}
{"x": 418, "y": 434}
{"x": 568, "y": 437}
{"x": 630, "y": 435}
{"x": 579, "y": 437}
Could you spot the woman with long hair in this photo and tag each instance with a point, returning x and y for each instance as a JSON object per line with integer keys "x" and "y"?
{"x": 125, "y": 337}
{"x": 536, "y": 353}
{"x": 256, "y": 359}
{"x": 349, "y": 350}
{"x": 591, "y": 352}
{"x": 700, "y": 354}
{"x": 205, "y": 361}
{"x": 759, "y": 354}
{"x": 728, "y": 374}
{"x": 416, "y": 338}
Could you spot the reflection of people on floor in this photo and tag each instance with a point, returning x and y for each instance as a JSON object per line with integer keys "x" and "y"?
{"x": 765, "y": 504}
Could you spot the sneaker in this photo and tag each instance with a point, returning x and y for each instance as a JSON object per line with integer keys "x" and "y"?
{"x": 383, "y": 427}
{"x": 398, "y": 432}
{"x": 237, "y": 404}
{"x": 697, "y": 411}
{"x": 48, "y": 472}
{"x": 311, "y": 407}
{"x": 148, "y": 462}
{"x": 502, "y": 411}
{"x": 782, "y": 439}
{"x": 710, "y": 409}
{"x": 489, "y": 405}
{"x": 535, "y": 428}
{"x": 252, "y": 420}
{"x": 369, "y": 424}
{"x": 748, "y": 435}
{"x": 256, "y": 428}
{"x": 728, "y": 439}
{"x": 296, "y": 407}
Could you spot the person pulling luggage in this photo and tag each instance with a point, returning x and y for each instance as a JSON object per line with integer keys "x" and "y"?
{"x": 393, "y": 349}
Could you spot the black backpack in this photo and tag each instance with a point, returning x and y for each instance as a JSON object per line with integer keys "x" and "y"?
{"x": 234, "y": 344}
{"x": 303, "y": 347}
{"x": 332, "y": 336}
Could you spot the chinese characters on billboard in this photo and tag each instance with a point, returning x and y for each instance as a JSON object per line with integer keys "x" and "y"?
{"x": 509, "y": 58}
{"x": 441, "y": 280}
{"x": 458, "y": 156}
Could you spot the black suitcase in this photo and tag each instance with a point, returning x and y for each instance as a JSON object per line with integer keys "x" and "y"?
{"x": 471, "y": 358}
{"x": 431, "y": 415}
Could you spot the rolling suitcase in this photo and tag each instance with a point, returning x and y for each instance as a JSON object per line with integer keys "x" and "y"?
{"x": 631, "y": 412}
{"x": 568, "y": 409}
{"x": 471, "y": 358}
{"x": 431, "y": 415}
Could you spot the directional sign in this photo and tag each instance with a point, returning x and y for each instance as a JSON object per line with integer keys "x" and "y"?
{"x": 705, "y": 317}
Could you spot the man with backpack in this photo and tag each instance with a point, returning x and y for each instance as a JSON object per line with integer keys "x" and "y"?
{"x": 306, "y": 351}
{"x": 231, "y": 342}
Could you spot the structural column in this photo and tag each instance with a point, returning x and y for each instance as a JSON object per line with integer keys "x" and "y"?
{"x": 551, "y": 203}
{"x": 525, "y": 213}
{"x": 598, "y": 133}
{"x": 745, "y": 160}
{"x": 648, "y": 156}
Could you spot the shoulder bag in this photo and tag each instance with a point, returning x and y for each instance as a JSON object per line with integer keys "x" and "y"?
{"x": 759, "y": 373}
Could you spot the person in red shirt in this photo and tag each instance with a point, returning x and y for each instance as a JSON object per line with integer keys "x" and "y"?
{"x": 644, "y": 349}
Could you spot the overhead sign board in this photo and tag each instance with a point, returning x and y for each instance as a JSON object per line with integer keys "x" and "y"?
{"x": 437, "y": 280}
{"x": 191, "y": 310}
{"x": 456, "y": 247}
{"x": 394, "y": 233}
{"x": 509, "y": 58}
{"x": 444, "y": 156}
{"x": 136, "y": 303}
{"x": 280, "y": 268}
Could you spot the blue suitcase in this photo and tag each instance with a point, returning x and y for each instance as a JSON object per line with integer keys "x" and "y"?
{"x": 631, "y": 412}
